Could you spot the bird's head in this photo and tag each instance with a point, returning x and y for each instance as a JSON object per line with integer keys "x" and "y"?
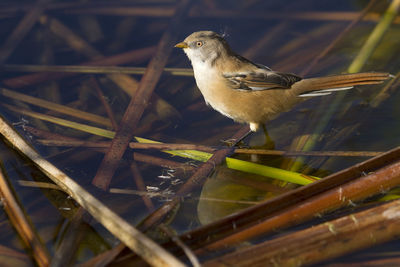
{"x": 204, "y": 47}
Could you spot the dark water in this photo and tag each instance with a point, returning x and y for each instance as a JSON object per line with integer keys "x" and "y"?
{"x": 264, "y": 31}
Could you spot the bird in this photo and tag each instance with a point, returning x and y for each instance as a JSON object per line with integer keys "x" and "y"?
{"x": 252, "y": 93}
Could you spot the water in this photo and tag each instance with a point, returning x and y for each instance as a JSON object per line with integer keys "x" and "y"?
{"x": 177, "y": 113}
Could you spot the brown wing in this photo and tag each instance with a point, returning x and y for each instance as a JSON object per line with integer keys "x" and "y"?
{"x": 261, "y": 80}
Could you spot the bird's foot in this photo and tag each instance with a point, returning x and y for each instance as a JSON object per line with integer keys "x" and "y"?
{"x": 237, "y": 142}
{"x": 233, "y": 143}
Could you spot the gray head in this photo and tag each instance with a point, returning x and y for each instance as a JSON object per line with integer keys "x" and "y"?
{"x": 204, "y": 46}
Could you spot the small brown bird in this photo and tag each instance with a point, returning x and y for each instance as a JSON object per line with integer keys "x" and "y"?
{"x": 252, "y": 93}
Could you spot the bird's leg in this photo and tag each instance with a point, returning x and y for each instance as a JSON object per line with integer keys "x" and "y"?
{"x": 269, "y": 143}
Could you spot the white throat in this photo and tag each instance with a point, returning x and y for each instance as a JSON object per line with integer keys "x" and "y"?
{"x": 204, "y": 73}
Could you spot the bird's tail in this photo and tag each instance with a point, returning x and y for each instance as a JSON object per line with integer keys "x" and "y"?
{"x": 329, "y": 84}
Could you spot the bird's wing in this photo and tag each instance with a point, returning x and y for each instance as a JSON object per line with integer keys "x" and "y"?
{"x": 263, "y": 80}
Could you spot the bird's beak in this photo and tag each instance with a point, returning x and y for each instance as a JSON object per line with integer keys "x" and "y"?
{"x": 182, "y": 45}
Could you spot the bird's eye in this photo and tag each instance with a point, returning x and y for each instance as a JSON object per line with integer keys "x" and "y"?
{"x": 199, "y": 43}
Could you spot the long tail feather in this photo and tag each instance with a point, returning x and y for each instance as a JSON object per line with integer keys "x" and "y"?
{"x": 338, "y": 82}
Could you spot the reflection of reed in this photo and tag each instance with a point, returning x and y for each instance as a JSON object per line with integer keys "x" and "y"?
{"x": 318, "y": 124}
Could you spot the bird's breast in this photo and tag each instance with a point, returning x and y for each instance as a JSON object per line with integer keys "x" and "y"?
{"x": 207, "y": 80}
{"x": 214, "y": 89}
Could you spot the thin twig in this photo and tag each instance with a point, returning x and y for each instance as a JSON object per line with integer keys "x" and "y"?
{"x": 137, "y": 56}
{"x": 160, "y": 194}
{"x": 22, "y": 224}
{"x": 66, "y": 251}
{"x": 74, "y": 143}
{"x": 49, "y": 135}
{"x": 226, "y": 13}
{"x": 63, "y": 122}
{"x": 386, "y": 91}
{"x": 175, "y": 238}
{"x": 12, "y": 253}
{"x": 309, "y": 153}
{"x": 390, "y": 260}
{"x": 90, "y": 69}
{"x": 80, "y": 114}
{"x": 38, "y": 184}
{"x": 107, "y": 107}
{"x": 165, "y": 146}
{"x": 103, "y": 259}
{"x": 162, "y": 162}
{"x": 141, "y": 186}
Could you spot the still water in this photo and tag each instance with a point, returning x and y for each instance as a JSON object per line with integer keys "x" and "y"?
{"x": 287, "y": 36}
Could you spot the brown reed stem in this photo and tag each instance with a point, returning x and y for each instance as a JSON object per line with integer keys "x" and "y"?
{"x": 139, "y": 102}
{"x": 165, "y": 146}
{"x": 24, "y": 26}
{"x": 321, "y": 242}
{"x": 136, "y": 55}
{"x": 21, "y": 223}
